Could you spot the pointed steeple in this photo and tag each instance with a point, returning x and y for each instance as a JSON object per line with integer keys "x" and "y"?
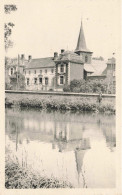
{"x": 81, "y": 44}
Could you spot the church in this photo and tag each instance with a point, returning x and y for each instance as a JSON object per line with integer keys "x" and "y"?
{"x": 54, "y": 73}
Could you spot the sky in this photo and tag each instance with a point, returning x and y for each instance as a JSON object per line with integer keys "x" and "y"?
{"x": 43, "y": 27}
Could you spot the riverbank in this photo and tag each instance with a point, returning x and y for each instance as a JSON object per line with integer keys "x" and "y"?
{"x": 80, "y": 105}
{"x": 17, "y": 177}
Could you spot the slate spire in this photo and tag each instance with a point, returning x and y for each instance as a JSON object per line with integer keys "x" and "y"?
{"x": 81, "y": 44}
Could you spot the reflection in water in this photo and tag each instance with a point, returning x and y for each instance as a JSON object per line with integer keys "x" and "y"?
{"x": 76, "y": 147}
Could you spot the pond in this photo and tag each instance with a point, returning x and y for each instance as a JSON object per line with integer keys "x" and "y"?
{"x": 76, "y": 147}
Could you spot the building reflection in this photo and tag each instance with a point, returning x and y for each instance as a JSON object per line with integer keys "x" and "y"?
{"x": 63, "y": 135}
{"x": 108, "y": 129}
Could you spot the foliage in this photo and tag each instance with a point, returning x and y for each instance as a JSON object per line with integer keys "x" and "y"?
{"x": 9, "y": 8}
{"x": 66, "y": 88}
{"x": 17, "y": 177}
{"x": 17, "y": 80}
{"x": 8, "y": 26}
{"x": 86, "y": 86}
{"x": 85, "y": 104}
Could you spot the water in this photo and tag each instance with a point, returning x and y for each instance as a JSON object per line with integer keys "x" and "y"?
{"x": 79, "y": 148}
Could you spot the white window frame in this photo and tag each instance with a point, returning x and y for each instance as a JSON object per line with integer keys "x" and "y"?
{"x": 62, "y": 68}
{"x": 28, "y": 81}
{"x": 47, "y": 81}
{"x": 12, "y": 71}
{"x": 52, "y": 70}
{"x": 35, "y": 79}
{"x": 62, "y": 80}
{"x": 39, "y": 80}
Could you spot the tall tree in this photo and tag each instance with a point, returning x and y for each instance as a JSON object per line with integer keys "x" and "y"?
{"x": 8, "y": 26}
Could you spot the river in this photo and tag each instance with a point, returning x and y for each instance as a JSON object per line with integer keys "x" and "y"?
{"x": 75, "y": 147}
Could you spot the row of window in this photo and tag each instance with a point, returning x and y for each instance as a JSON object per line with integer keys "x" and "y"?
{"x": 40, "y": 81}
{"x": 29, "y": 72}
{"x": 46, "y": 80}
{"x": 112, "y": 66}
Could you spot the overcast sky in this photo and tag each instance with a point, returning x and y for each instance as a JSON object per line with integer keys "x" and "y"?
{"x": 43, "y": 27}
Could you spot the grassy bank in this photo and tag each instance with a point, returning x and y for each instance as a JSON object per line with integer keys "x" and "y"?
{"x": 63, "y": 104}
{"x": 17, "y": 177}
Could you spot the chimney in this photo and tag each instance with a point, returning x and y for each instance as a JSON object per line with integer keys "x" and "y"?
{"x": 62, "y": 50}
{"x": 29, "y": 58}
{"x": 22, "y": 57}
{"x": 55, "y": 55}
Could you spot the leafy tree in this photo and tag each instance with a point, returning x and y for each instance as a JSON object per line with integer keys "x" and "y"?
{"x": 8, "y": 26}
{"x": 87, "y": 86}
{"x": 17, "y": 80}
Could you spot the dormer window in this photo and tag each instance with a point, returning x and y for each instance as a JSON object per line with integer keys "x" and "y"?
{"x": 86, "y": 58}
{"x": 62, "y": 68}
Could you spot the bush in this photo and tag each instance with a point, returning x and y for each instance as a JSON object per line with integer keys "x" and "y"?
{"x": 66, "y": 88}
{"x": 88, "y": 86}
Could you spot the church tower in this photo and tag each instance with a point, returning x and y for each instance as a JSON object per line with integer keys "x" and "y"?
{"x": 82, "y": 49}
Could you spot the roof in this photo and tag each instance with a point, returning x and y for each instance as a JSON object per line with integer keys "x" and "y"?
{"x": 81, "y": 44}
{"x": 100, "y": 67}
{"x": 41, "y": 62}
{"x": 111, "y": 60}
{"x": 70, "y": 56}
{"x": 89, "y": 68}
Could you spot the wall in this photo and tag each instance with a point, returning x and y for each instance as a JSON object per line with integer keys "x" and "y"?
{"x": 19, "y": 95}
{"x": 38, "y": 74}
{"x": 89, "y": 55}
{"x": 96, "y": 78}
{"x": 58, "y": 86}
{"x": 76, "y": 71}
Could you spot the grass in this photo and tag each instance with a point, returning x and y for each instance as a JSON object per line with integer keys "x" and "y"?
{"x": 17, "y": 177}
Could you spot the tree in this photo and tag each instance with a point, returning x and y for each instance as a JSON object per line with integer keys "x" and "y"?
{"x": 8, "y": 26}
{"x": 17, "y": 80}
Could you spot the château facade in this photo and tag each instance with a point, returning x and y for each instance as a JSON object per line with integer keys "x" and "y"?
{"x": 54, "y": 73}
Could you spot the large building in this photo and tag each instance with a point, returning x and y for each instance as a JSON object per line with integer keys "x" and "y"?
{"x": 53, "y": 73}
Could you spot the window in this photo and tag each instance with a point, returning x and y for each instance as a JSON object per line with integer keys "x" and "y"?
{"x": 62, "y": 68}
{"x": 27, "y": 81}
{"x": 46, "y": 81}
{"x": 46, "y": 71}
{"x": 35, "y": 80}
{"x": 29, "y": 72}
{"x": 52, "y": 70}
{"x": 12, "y": 71}
{"x": 86, "y": 58}
{"x": 40, "y": 80}
{"x": 114, "y": 73}
{"x": 35, "y": 71}
{"x": 61, "y": 80}
{"x": 40, "y": 71}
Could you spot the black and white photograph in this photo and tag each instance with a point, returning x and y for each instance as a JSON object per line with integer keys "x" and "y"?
{"x": 61, "y": 68}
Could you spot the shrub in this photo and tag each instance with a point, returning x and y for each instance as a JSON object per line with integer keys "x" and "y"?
{"x": 66, "y": 88}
